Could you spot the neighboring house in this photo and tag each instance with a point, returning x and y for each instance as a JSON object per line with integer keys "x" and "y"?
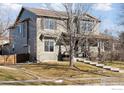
{"x": 4, "y": 45}
{"x": 36, "y": 32}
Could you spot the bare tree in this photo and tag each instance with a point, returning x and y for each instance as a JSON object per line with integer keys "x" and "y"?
{"x": 121, "y": 39}
{"x": 121, "y": 34}
{"x": 5, "y": 22}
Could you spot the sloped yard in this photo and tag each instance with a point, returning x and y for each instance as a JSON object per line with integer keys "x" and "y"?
{"x": 12, "y": 74}
{"x": 80, "y": 74}
{"x": 61, "y": 69}
{"x": 118, "y": 64}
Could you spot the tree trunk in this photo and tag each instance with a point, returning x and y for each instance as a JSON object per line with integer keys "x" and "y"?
{"x": 99, "y": 51}
{"x": 71, "y": 64}
{"x": 59, "y": 53}
{"x": 72, "y": 58}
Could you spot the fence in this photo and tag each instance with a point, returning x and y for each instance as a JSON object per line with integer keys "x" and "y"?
{"x": 7, "y": 59}
{"x": 13, "y": 59}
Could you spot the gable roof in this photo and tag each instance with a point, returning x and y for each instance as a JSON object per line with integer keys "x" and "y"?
{"x": 49, "y": 13}
{"x": 52, "y": 13}
{"x": 91, "y": 16}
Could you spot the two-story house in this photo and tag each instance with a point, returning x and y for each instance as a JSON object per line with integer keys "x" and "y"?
{"x": 35, "y": 32}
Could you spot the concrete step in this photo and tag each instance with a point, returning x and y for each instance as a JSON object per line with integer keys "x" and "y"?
{"x": 100, "y": 65}
{"x": 121, "y": 71}
{"x": 115, "y": 69}
{"x": 80, "y": 59}
{"x": 93, "y": 63}
{"x": 87, "y": 61}
{"x": 107, "y": 67}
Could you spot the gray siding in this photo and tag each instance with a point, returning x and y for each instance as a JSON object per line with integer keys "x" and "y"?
{"x": 20, "y": 41}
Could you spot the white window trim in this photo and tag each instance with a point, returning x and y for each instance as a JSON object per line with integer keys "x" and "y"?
{"x": 44, "y": 46}
{"x": 49, "y": 30}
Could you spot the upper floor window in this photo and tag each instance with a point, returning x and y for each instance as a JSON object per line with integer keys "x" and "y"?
{"x": 13, "y": 46}
{"x": 86, "y": 25}
{"x": 50, "y": 24}
{"x": 18, "y": 29}
{"x": 49, "y": 45}
{"x": 24, "y": 27}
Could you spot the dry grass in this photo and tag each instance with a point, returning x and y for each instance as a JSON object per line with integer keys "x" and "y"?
{"x": 62, "y": 70}
{"x": 58, "y": 70}
{"x": 118, "y": 64}
{"x": 8, "y": 74}
{"x": 55, "y": 70}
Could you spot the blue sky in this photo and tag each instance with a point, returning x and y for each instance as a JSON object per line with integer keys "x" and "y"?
{"x": 107, "y": 13}
{"x": 109, "y": 16}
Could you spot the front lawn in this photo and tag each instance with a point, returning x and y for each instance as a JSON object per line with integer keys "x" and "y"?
{"x": 11, "y": 74}
{"x": 81, "y": 74}
{"x": 118, "y": 64}
{"x": 62, "y": 70}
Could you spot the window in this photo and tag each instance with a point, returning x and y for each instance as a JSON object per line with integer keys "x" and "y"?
{"x": 13, "y": 46}
{"x": 86, "y": 25}
{"x": 18, "y": 28}
{"x": 50, "y": 24}
{"x": 49, "y": 45}
{"x": 24, "y": 29}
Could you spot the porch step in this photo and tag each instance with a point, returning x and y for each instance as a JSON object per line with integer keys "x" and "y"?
{"x": 107, "y": 67}
{"x": 100, "y": 65}
{"x": 121, "y": 71}
{"x": 87, "y": 62}
{"x": 81, "y": 59}
{"x": 115, "y": 69}
{"x": 93, "y": 63}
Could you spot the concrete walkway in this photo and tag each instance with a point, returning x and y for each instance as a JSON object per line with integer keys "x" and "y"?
{"x": 32, "y": 81}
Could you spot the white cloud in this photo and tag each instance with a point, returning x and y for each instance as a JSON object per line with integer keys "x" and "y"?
{"x": 112, "y": 28}
{"x": 9, "y": 11}
{"x": 107, "y": 24}
{"x": 102, "y": 6}
{"x": 9, "y": 6}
